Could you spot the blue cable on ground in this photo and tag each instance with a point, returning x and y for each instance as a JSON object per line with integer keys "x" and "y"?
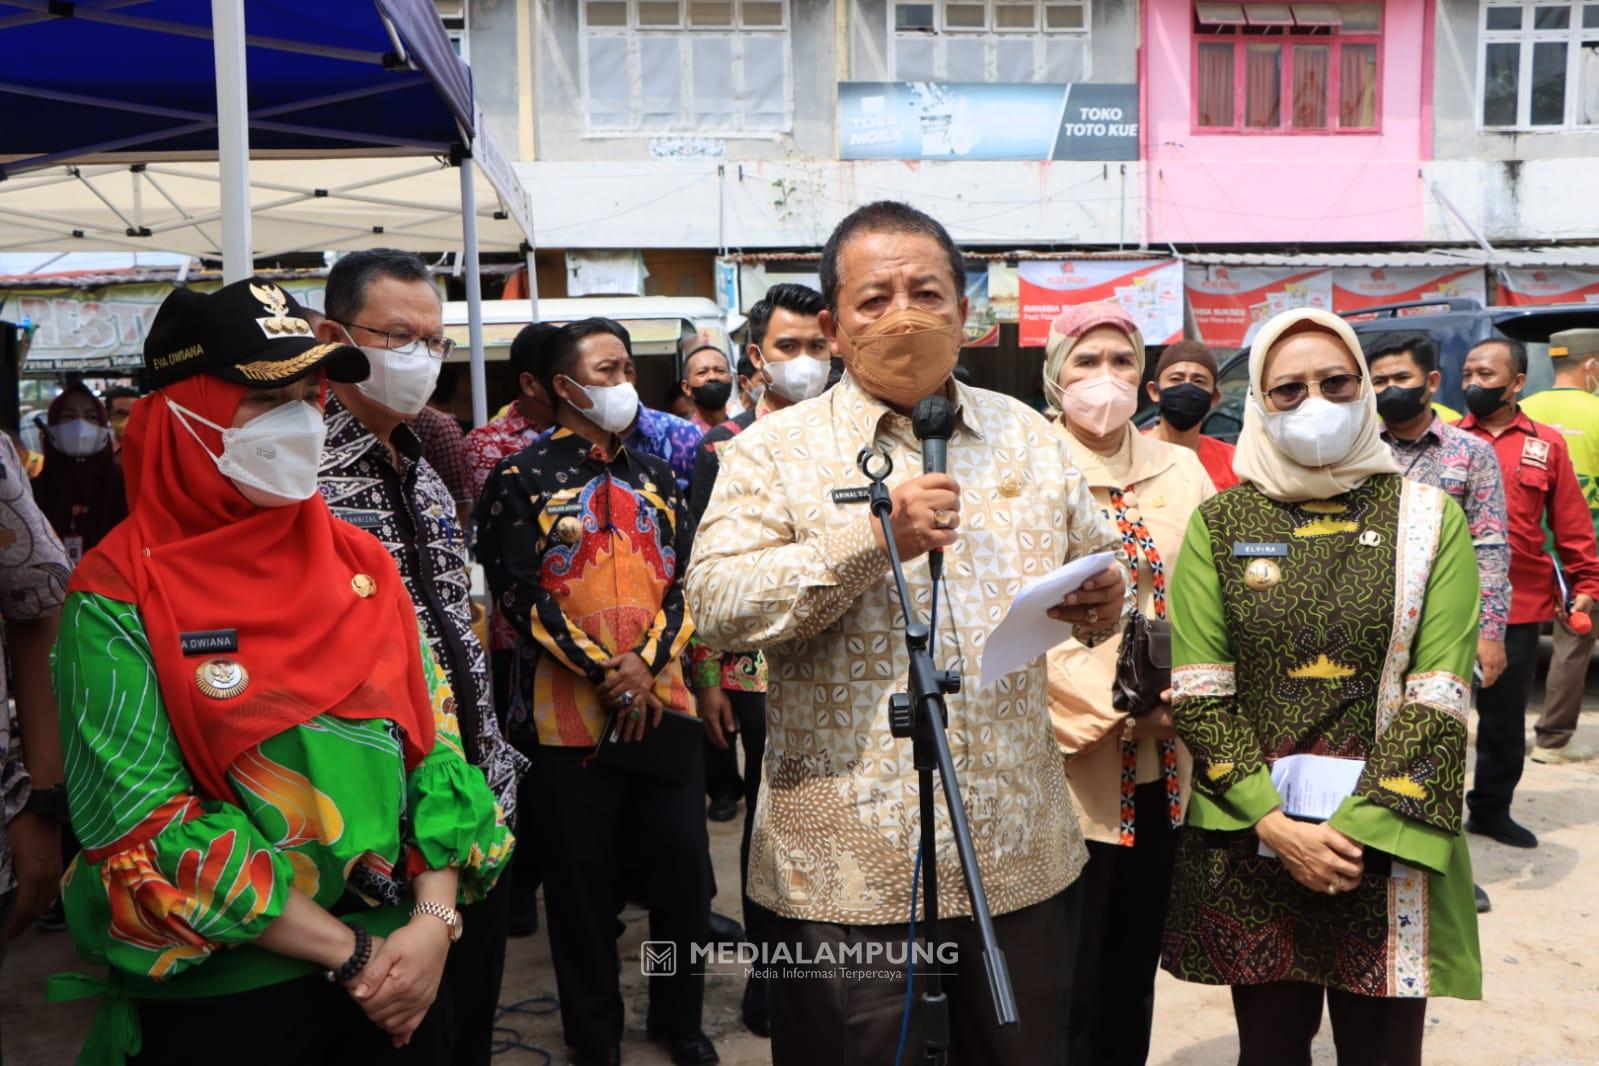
{"x": 910, "y": 960}
{"x": 507, "y": 1038}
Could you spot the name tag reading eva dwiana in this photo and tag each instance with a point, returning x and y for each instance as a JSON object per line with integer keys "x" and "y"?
{"x": 209, "y": 641}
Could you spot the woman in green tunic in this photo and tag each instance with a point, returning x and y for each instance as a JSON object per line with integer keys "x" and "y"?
{"x": 263, "y": 763}
{"x": 1325, "y": 623}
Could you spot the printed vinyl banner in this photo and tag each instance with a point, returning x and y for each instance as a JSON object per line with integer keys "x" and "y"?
{"x": 974, "y": 120}
{"x": 1355, "y": 288}
{"x": 982, "y": 328}
{"x": 86, "y": 330}
{"x": 1519, "y": 286}
{"x": 1227, "y": 301}
{"x": 1150, "y": 291}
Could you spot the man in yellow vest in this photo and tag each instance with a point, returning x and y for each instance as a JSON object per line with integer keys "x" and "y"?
{"x": 1573, "y": 409}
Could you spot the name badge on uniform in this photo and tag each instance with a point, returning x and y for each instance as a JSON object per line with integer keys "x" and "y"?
{"x": 209, "y": 641}
{"x": 367, "y": 520}
{"x": 1535, "y": 452}
{"x": 575, "y": 507}
{"x": 1244, "y": 549}
{"x": 857, "y": 494}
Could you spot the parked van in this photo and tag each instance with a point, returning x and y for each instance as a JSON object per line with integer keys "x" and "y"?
{"x": 664, "y": 330}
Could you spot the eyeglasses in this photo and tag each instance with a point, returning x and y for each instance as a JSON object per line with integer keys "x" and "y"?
{"x": 405, "y": 342}
{"x": 1334, "y": 388}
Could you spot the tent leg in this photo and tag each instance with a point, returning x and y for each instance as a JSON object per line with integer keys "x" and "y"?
{"x": 474, "y": 294}
{"x": 233, "y": 137}
{"x": 532, "y": 286}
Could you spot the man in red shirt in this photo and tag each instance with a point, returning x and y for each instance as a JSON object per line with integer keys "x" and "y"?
{"x": 1185, "y": 388}
{"x": 1540, "y": 485}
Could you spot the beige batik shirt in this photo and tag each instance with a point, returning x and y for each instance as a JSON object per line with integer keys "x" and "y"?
{"x": 785, "y": 561}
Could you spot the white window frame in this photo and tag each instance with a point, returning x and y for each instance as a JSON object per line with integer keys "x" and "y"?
{"x": 457, "y": 19}
{"x": 1572, "y": 36}
{"x": 991, "y": 35}
{"x": 743, "y": 40}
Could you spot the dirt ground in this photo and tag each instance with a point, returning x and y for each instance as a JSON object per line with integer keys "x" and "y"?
{"x": 1540, "y": 948}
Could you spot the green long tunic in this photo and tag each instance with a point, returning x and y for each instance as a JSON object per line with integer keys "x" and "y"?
{"x": 1354, "y": 644}
{"x": 171, "y": 889}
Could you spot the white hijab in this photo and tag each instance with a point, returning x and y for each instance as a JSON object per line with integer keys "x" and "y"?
{"x": 1261, "y": 463}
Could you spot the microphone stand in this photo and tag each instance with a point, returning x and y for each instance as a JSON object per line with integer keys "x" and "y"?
{"x": 921, "y": 716}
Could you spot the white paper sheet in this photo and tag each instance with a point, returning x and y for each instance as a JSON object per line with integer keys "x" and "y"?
{"x": 1312, "y": 786}
{"x": 1027, "y": 631}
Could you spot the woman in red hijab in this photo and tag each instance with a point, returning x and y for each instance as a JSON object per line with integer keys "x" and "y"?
{"x": 262, "y": 755}
{"x": 80, "y": 488}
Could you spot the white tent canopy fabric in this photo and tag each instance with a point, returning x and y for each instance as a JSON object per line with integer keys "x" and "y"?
{"x": 301, "y": 205}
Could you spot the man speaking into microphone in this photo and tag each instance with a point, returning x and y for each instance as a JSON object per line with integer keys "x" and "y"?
{"x": 789, "y": 559}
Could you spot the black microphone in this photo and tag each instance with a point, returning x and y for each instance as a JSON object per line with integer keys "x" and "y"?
{"x": 933, "y": 422}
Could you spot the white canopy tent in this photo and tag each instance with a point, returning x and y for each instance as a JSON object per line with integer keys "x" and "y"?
{"x": 301, "y": 205}
{"x": 364, "y": 110}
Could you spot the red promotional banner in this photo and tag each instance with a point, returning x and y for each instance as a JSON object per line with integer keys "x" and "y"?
{"x": 1356, "y": 288}
{"x": 1519, "y": 286}
{"x": 1226, "y": 301}
{"x": 1150, "y": 291}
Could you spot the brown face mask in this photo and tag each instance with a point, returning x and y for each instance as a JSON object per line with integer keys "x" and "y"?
{"x": 905, "y": 355}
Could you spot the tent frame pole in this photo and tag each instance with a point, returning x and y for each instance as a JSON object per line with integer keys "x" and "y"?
{"x": 474, "y": 293}
{"x": 233, "y": 137}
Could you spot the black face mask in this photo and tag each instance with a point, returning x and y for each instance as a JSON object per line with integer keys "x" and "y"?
{"x": 1396, "y": 404}
{"x": 713, "y": 395}
{"x": 1482, "y": 402}
{"x": 1183, "y": 406}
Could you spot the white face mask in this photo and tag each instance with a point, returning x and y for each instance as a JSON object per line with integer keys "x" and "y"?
{"x": 1318, "y": 432}
{"x": 78, "y": 437}
{"x": 400, "y": 381}
{"x": 615, "y": 406}
{"x": 798, "y": 379}
{"x": 274, "y": 457}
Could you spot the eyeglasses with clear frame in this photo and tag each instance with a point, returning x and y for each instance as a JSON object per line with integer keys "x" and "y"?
{"x": 405, "y": 342}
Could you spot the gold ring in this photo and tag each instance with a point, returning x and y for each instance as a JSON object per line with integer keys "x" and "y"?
{"x": 944, "y": 518}
{"x": 1332, "y": 889}
{"x": 1093, "y": 615}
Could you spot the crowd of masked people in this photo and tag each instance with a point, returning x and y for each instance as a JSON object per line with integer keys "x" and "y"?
{"x": 304, "y": 794}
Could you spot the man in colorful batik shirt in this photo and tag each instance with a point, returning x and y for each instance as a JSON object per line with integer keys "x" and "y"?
{"x": 582, "y": 539}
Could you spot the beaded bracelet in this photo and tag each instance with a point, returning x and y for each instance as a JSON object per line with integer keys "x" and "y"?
{"x": 358, "y": 958}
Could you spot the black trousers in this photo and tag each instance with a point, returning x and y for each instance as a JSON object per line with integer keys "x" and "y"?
{"x": 836, "y": 1016}
{"x": 1502, "y": 726}
{"x": 750, "y": 710}
{"x": 524, "y": 871}
{"x": 721, "y": 771}
{"x": 1116, "y": 910}
{"x": 307, "y": 1022}
{"x": 473, "y": 972}
{"x": 1277, "y": 1021}
{"x": 585, "y": 816}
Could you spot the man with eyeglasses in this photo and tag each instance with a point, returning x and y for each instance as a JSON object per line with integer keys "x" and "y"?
{"x": 375, "y": 477}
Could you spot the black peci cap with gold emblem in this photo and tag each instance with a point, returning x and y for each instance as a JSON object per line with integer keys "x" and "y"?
{"x": 250, "y": 332}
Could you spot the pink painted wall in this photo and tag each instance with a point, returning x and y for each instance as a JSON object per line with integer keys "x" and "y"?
{"x": 1215, "y": 188}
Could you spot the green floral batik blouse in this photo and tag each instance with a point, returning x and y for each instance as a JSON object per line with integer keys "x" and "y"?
{"x": 167, "y": 880}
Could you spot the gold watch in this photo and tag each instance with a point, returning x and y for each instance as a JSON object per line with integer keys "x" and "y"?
{"x": 448, "y": 915}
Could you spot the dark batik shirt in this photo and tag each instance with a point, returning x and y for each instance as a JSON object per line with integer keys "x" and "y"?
{"x": 583, "y": 549}
{"x": 413, "y": 514}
